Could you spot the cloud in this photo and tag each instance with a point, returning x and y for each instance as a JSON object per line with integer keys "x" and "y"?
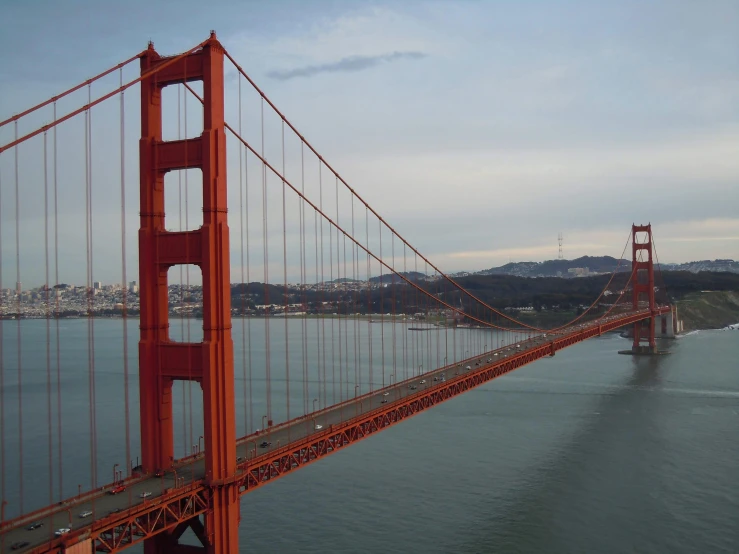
{"x": 348, "y": 64}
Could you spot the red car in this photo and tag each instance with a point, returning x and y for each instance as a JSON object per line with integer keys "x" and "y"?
{"x": 159, "y": 473}
{"x": 117, "y": 489}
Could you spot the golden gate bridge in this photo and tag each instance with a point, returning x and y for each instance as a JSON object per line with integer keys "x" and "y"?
{"x": 297, "y": 220}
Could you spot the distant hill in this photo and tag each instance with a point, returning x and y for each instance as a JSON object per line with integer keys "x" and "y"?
{"x": 705, "y": 265}
{"x": 595, "y": 265}
{"x": 342, "y": 280}
{"x": 392, "y": 278}
{"x": 555, "y": 268}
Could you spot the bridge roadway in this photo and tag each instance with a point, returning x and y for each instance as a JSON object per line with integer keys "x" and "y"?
{"x": 104, "y": 505}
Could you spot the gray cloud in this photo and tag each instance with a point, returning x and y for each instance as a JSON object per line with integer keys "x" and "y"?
{"x": 349, "y": 64}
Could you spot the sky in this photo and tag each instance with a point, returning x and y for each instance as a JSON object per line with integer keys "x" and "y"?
{"x": 479, "y": 130}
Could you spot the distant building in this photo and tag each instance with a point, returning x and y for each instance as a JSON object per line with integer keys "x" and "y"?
{"x": 97, "y": 285}
{"x": 133, "y": 287}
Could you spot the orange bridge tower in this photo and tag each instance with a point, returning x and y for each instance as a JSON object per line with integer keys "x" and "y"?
{"x": 643, "y": 288}
{"x": 161, "y": 360}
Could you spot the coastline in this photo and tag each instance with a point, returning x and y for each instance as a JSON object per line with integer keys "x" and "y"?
{"x": 425, "y": 325}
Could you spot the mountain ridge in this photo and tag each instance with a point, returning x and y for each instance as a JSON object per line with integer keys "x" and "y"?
{"x": 593, "y": 265}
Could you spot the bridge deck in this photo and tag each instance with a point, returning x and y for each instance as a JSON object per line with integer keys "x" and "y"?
{"x": 125, "y": 518}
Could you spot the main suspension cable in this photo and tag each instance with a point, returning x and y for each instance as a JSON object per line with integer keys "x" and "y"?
{"x": 330, "y": 168}
{"x": 103, "y": 98}
{"x": 56, "y": 98}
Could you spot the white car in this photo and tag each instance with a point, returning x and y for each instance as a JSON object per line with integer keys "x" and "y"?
{"x": 317, "y": 427}
{"x": 145, "y": 494}
{"x": 86, "y": 513}
{"x": 423, "y": 381}
{"x": 385, "y": 394}
{"x": 62, "y": 531}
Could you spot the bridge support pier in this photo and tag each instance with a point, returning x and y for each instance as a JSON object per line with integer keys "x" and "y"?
{"x": 161, "y": 360}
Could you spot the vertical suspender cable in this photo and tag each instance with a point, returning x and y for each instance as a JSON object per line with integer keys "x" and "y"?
{"x": 91, "y": 319}
{"x": 382, "y": 305}
{"x": 394, "y": 312}
{"x": 320, "y": 315}
{"x": 47, "y": 314}
{"x": 438, "y": 322}
{"x": 331, "y": 298}
{"x": 125, "y": 282}
{"x": 56, "y": 319}
{"x": 369, "y": 299}
{"x": 18, "y": 327}
{"x": 284, "y": 277}
{"x": 404, "y": 299}
{"x": 303, "y": 278}
{"x": 322, "y": 365}
{"x": 244, "y": 296}
{"x": 346, "y": 327}
{"x": 87, "y": 295}
{"x": 249, "y": 366}
{"x": 265, "y": 234}
{"x": 427, "y": 309}
{"x": 346, "y": 330}
{"x": 414, "y": 336}
{"x": 90, "y": 292}
{"x": 355, "y": 278}
{"x": 338, "y": 299}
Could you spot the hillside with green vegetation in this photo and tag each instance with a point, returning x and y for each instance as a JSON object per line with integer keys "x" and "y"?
{"x": 709, "y": 309}
{"x": 540, "y": 302}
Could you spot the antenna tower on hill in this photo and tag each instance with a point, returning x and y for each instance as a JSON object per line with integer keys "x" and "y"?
{"x": 560, "y": 238}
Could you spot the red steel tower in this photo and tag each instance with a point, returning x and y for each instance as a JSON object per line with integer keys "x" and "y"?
{"x": 161, "y": 360}
{"x": 643, "y": 270}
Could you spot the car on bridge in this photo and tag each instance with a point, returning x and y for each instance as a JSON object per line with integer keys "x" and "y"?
{"x": 18, "y": 545}
{"x": 86, "y": 513}
{"x": 117, "y": 489}
{"x": 265, "y": 444}
{"x": 145, "y": 494}
{"x": 35, "y": 525}
{"x": 62, "y": 531}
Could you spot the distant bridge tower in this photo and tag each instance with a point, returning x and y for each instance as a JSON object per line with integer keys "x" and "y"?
{"x": 643, "y": 288}
{"x": 161, "y": 360}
